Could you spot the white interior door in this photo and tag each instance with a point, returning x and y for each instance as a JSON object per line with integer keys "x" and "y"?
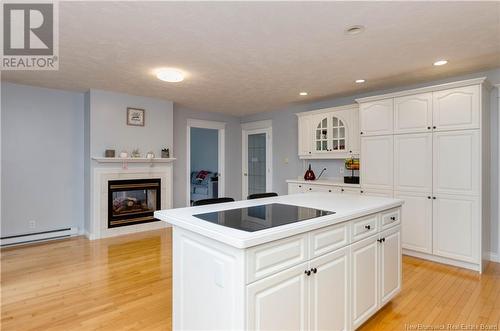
{"x": 257, "y": 161}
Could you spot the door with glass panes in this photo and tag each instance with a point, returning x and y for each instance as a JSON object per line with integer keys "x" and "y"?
{"x": 330, "y": 134}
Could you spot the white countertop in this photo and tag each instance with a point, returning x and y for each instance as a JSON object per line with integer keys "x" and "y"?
{"x": 345, "y": 206}
{"x": 326, "y": 181}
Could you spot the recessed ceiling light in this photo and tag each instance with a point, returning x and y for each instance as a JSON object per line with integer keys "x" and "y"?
{"x": 303, "y": 93}
{"x": 354, "y": 29}
{"x": 440, "y": 62}
{"x": 359, "y": 81}
{"x": 170, "y": 75}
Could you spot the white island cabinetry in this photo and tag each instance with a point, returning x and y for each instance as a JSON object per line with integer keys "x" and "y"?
{"x": 327, "y": 273}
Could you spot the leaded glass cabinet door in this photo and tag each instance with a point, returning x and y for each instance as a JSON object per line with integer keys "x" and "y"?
{"x": 338, "y": 134}
{"x": 321, "y": 134}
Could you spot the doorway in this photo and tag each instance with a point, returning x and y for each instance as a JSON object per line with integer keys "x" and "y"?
{"x": 256, "y": 158}
{"x": 205, "y": 160}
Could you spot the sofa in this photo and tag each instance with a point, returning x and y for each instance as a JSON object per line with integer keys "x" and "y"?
{"x": 203, "y": 189}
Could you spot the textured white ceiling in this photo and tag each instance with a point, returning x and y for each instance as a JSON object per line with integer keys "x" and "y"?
{"x": 245, "y": 57}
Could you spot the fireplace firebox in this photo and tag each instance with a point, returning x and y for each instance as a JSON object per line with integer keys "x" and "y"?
{"x": 133, "y": 201}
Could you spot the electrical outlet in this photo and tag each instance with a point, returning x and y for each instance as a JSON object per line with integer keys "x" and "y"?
{"x": 341, "y": 170}
{"x": 32, "y": 224}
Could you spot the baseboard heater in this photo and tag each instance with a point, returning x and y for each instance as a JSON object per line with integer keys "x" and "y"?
{"x": 38, "y": 236}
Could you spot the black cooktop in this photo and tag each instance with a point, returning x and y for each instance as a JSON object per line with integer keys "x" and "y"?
{"x": 262, "y": 217}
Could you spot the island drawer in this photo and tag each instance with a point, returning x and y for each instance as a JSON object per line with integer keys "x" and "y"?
{"x": 272, "y": 257}
{"x": 390, "y": 218}
{"x": 328, "y": 239}
{"x": 364, "y": 227}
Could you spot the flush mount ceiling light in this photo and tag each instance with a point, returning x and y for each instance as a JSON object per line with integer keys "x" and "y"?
{"x": 170, "y": 75}
{"x": 440, "y": 62}
{"x": 359, "y": 81}
{"x": 303, "y": 94}
{"x": 354, "y": 29}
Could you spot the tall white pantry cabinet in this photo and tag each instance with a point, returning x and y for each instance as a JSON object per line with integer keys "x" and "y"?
{"x": 431, "y": 148}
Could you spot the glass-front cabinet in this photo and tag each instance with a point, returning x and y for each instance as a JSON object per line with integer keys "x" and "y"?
{"x": 330, "y": 133}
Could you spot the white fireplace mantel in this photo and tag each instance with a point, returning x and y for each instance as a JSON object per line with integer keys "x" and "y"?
{"x": 132, "y": 160}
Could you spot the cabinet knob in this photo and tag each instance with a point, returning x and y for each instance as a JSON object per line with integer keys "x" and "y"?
{"x": 379, "y": 240}
{"x": 314, "y": 270}
{"x": 309, "y": 152}
{"x": 330, "y": 191}
{"x": 350, "y": 151}
{"x": 368, "y": 227}
{"x": 342, "y": 190}
{"x": 301, "y": 186}
{"x": 308, "y": 272}
{"x": 434, "y": 127}
{"x": 428, "y": 197}
{"x": 428, "y": 128}
{"x": 361, "y": 132}
{"x": 310, "y": 189}
{"x": 393, "y": 218}
{"x": 361, "y": 191}
{"x": 433, "y": 198}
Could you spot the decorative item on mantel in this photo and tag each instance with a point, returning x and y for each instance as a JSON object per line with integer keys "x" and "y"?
{"x": 150, "y": 155}
{"x": 135, "y": 153}
{"x": 123, "y": 154}
{"x": 109, "y": 153}
{"x": 309, "y": 175}
{"x": 165, "y": 153}
{"x": 352, "y": 164}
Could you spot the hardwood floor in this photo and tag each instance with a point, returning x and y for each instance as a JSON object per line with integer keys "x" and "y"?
{"x": 124, "y": 283}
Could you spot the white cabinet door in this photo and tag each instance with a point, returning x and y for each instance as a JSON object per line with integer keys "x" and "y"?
{"x": 295, "y": 188}
{"x": 456, "y": 162}
{"x": 329, "y": 291}
{"x": 376, "y": 117}
{"x": 321, "y": 133}
{"x": 279, "y": 302}
{"x": 456, "y": 222}
{"x": 413, "y": 162}
{"x": 413, "y": 113}
{"x": 456, "y": 109}
{"x": 377, "y": 193}
{"x": 305, "y": 136}
{"x": 390, "y": 264}
{"x": 353, "y": 129}
{"x": 364, "y": 276}
{"x": 377, "y": 162}
{"x": 416, "y": 224}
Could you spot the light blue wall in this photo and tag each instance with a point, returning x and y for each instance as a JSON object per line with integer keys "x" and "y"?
{"x": 232, "y": 152}
{"x": 42, "y": 159}
{"x": 204, "y": 149}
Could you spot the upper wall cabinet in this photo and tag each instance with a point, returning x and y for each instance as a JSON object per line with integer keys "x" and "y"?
{"x": 376, "y": 117}
{"x": 328, "y": 133}
{"x": 456, "y": 109}
{"x": 413, "y": 114}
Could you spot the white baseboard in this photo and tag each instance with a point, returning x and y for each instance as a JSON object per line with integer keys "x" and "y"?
{"x": 37, "y": 237}
{"x": 493, "y": 257}
{"x": 444, "y": 260}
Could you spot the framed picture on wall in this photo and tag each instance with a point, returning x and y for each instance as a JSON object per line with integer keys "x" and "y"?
{"x": 135, "y": 116}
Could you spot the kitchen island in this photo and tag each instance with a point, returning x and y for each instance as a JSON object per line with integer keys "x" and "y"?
{"x": 314, "y": 261}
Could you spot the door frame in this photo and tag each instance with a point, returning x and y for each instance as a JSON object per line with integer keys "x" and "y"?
{"x": 255, "y": 128}
{"x": 221, "y": 128}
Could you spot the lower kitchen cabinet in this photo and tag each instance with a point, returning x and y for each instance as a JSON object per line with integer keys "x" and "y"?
{"x": 417, "y": 225}
{"x": 364, "y": 259}
{"x": 329, "y": 291}
{"x": 280, "y": 302}
{"x": 390, "y": 264}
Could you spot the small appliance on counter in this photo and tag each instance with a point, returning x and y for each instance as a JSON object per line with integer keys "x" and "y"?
{"x": 309, "y": 175}
{"x": 352, "y": 164}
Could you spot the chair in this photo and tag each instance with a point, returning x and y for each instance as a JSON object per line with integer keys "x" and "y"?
{"x": 211, "y": 201}
{"x": 204, "y": 189}
{"x": 262, "y": 195}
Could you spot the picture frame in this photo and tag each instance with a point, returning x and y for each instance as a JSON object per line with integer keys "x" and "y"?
{"x": 135, "y": 116}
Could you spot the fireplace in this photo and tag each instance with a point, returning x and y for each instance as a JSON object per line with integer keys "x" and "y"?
{"x": 133, "y": 201}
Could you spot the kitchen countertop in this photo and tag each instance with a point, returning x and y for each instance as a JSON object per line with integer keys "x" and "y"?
{"x": 326, "y": 181}
{"x": 345, "y": 206}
